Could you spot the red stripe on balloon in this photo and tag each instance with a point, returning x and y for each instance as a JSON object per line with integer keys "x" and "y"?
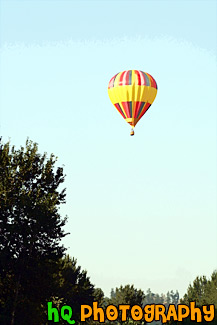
{"x": 127, "y": 77}
{"x": 119, "y": 109}
{"x": 111, "y": 82}
{"x": 137, "y": 107}
{"x": 126, "y": 108}
{"x": 121, "y": 80}
{"x": 153, "y": 82}
{"x": 138, "y": 79}
{"x": 145, "y": 108}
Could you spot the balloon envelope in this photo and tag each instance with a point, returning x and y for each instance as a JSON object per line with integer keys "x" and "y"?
{"x": 132, "y": 92}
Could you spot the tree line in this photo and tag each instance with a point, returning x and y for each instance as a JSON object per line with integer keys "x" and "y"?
{"x": 34, "y": 266}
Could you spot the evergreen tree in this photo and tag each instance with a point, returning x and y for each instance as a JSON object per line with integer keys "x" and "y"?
{"x": 204, "y": 292}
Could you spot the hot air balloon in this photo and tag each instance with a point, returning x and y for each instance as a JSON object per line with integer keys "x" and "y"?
{"x": 132, "y": 92}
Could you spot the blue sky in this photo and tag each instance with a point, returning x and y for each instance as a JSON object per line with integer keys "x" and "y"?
{"x": 141, "y": 210}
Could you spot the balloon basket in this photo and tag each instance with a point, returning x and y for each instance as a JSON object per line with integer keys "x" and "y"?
{"x": 132, "y": 132}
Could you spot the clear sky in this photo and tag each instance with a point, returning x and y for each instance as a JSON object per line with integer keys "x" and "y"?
{"x": 141, "y": 210}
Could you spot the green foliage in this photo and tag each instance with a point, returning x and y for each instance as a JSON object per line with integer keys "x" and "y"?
{"x": 99, "y": 297}
{"x": 131, "y": 296}
{"x": 204, "y": 292}
{"x": 30, "y": 231}
{"x": 29, "y": 202}
{"x": 127, "y": 295}
{"x": 74, "y": 287}
{"x": 154, "y": 298}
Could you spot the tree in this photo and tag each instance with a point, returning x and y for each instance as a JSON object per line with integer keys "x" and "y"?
{"x": 100, "y": 297}
{"x": 127, "y": 295}
{"x": 202, "y": 292}
{"x": 74, "y": 287}
{"x": 149, "y": 297}
{"x": 31, "y": 229}
{"x": 174, "y": 297}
